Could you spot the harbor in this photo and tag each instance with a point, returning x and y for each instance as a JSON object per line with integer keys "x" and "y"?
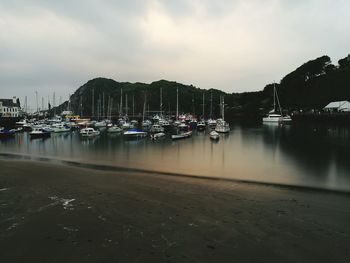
{"x": 288, "y": 154}
{"x": 174, "y": 131}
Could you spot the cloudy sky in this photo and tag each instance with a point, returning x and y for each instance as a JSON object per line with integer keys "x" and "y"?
{"x": 233, "y": 45}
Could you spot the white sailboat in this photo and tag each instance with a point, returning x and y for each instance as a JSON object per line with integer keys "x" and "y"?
{"x": 274, "y": 117}
{"x": 221, "y": 125}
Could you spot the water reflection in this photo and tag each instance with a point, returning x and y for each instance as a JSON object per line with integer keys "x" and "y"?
{"x": 289, "y": 154}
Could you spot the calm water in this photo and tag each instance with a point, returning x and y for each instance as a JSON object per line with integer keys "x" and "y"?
{"x": 315, "y": 156}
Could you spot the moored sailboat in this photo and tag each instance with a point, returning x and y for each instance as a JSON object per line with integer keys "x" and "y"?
{"x": 273, "y": 116}
{"x": 221, "y": 125}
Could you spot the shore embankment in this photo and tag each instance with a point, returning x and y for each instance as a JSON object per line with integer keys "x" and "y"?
{"x": 60, "y": 213}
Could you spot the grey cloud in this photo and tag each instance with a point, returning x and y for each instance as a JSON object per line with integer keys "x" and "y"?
{"x": 241, "y": 45}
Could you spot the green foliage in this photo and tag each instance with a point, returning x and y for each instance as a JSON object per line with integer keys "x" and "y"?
{"x": 190, "y": 97}
{"x": 311, "y": 86}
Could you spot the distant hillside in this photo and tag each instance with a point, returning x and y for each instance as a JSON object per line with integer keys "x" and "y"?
{"x": 190, "y": 97}
{"x": 310, "y": 86}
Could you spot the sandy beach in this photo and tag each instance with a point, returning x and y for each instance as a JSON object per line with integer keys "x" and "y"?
{"x": 60, "y": 213}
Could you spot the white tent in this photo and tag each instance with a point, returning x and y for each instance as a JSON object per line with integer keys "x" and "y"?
{"x": 340, "y": 106}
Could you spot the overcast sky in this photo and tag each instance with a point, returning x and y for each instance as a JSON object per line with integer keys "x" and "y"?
{"x": 233, "y": 45}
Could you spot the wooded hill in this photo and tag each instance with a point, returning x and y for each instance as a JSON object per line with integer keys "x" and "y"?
{"x": 311, "y": 86}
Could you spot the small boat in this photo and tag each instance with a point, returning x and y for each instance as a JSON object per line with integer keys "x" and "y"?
{"x": 19, "y": 129}
{"x": 164, "y": 123}
{"x": 72, "y": 125}
{"x": 156, "y": 128}
{"x": 201, "y": 125}
{"x": 114, "y": 129}
{"x": 5, "y": 133}
{"x": 183, "y": 126}
{"x": 212, "y": 123}
{"x": 176, "y": 123}
{"x": 21, "y": 122}
{"x": 89, "y": 132}
{"x": 157, "y": 136}
{"x": 27, "y": 127}
{"x": 181, "y": 135}
{"x": 146, "y": 123}
{"x": 60, "y": 127}
{"x": 135, "y": 134}
{"x": 156, "y": 118}
{"x": 46, "y": 128}
{"x": 126, "y": 125}
{"x": 134, "y": 123}
{"x": 82, "y": 122}
{"x": 39, "y": 133}
{"x": 100, "y": 124}
{"x": 214, "y": 135}
{"x": 286, "y": 119}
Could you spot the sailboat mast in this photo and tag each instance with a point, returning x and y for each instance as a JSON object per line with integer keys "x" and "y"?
{"x": 161, "y": 102}
{"x": 81, "y": 106}
{"x": 133, "y": 105}
{"x": 223, "y": 108}
{"x": 126, "y": 104}
{"x": 108, "y": 105}
{"x": 111, "y": 107}
{"x": 54, "y": 103}
{"x": 203, "y": 107}
{"x": 278, "y": 102}
{"x": 211, "y": 105}
{"x": 103, "y": 105}
{"x": 121, "y": 102}
{"x": 177, "y": 103}
{"x": 36, "y": 98}
{"x": 25, "y": 105}
{"x": 144, "y": 109}
{"x": 274, "y": 97}
{"x": 93, "y": 102}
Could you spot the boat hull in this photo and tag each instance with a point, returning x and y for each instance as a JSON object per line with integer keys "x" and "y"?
{"x": 130, "y": 135}
{"x": 181, "y": 136}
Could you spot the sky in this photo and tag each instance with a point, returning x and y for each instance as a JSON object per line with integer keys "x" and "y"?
{"x": 234, "y": 45}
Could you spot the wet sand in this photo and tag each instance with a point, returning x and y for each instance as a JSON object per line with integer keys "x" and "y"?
{"x": 58, "y": 213}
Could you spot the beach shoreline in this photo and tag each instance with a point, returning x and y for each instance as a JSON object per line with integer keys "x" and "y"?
{"x": 60, "y": 213}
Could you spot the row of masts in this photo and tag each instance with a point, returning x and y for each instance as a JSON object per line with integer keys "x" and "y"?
{"x": 99, "y": 109}
{"x": 101, "y": 113}
{"x": 41, "y": 105}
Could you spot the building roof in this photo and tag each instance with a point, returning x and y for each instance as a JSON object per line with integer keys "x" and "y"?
{"x": 340, "y": 105}
{"x": 8, "y": 103}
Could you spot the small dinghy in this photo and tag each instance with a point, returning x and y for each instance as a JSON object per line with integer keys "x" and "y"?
{"x": 157, "y": 136}
{"x": 214, "y": 135}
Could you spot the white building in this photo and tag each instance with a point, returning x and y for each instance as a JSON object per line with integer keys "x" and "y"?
{"x": 9, "y": 107}
{"x": 338, "y": 106}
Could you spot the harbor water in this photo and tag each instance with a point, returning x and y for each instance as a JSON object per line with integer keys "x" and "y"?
{"x": 296, "y": 154}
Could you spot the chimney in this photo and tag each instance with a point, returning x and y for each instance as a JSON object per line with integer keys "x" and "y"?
{"x": 14, "y": 99}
